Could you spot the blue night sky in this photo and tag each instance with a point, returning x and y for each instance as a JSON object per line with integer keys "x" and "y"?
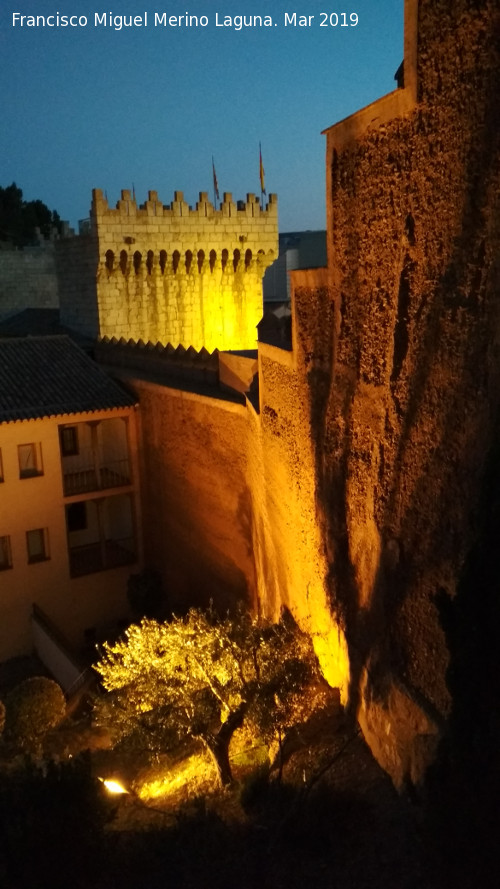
{"x": 148, "y": 106}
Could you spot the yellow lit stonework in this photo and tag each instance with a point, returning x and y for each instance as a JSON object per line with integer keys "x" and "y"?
{"x": 181, "y": 275}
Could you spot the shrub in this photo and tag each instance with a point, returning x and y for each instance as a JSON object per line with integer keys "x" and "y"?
{"x": 33, "y": 707}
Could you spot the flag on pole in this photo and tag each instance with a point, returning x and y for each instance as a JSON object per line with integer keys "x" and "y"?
{"x": 261, "y": 172}
{"x": 216, "y": 184}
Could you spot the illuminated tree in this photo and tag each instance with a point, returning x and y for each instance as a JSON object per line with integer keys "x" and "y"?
{"x": 201, "y": 677}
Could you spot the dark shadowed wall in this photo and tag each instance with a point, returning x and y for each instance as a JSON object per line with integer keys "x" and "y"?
{"x": 406, "y": 378}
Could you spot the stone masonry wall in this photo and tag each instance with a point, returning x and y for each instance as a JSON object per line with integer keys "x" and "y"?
{"x": 181, "y": 275}
{"x": 228, "y": 492}
{"x": 76, "y": 270}
{"x": 195, "y": 498}
{"x": 28, "y": 279}
{"x": 289, "y": 555}
{"x": 405, "y": 383}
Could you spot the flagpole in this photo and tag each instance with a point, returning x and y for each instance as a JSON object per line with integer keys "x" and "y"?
{"x": 215, "y": 184}
{"x": 261, "y": 176}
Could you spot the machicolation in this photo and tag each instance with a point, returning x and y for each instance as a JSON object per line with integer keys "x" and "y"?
{"x": 173, "y": 273}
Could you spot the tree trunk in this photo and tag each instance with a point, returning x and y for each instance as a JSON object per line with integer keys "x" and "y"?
{"x": 218, "y": 744}
{"x": 219, "y": 750}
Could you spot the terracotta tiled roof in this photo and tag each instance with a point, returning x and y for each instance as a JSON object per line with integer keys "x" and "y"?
{"x": 50, "y": 376}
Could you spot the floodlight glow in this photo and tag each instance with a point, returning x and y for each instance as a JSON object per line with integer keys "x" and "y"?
{"x": 113, "y": 786}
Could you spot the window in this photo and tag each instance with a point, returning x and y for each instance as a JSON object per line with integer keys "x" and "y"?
{"x": 110, "y": 260}
{"x": 5, "y": 553}
{"x": 30, "y": 460}
{"x": 37, "y": 542}
{"x": 76, "y": 516}
{"x": 68, "y": 437}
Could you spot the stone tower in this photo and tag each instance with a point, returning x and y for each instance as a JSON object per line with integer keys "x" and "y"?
{"x": 183, "y": 275}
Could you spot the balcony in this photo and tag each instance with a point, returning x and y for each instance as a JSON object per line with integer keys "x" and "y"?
{"x": 101, "y": 533}
{"x": 84, "y": 474}
{"x": 94, "y": 455}
{"x": 102, "y": 555}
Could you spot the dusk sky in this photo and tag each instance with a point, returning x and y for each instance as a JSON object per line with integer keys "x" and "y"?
{"x": 145, "y": 106}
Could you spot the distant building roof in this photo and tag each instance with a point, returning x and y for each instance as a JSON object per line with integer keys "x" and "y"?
{"x": 39, "y": 322}
{"x": 51, "y": 376}
{"x": 297, "y": 250}
{"x": 31, "y": 322}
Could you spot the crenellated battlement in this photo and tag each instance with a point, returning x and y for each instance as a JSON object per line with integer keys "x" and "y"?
{"x": 157, "y": 230}
{"x": 179, "y": 209}
{"x": 182, "y": 274}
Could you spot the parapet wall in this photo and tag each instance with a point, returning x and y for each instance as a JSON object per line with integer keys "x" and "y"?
{"x": 156, "y": 360}
{"x": 183, "y": 275}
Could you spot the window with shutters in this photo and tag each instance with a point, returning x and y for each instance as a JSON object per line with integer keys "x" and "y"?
{"x": 30, "y": 460}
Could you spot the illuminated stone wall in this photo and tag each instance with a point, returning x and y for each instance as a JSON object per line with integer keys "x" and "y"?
{"x": 229, "y": 490}
{"x": 181, "y": 275}
{"x": 196, "y": 502}
{"x": 404, "y": 381}
{"x": 291, "y": 568}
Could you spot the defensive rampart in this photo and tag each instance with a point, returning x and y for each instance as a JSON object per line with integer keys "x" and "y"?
{"x": 228, "y": 485}
{"x": 404, "y": 379}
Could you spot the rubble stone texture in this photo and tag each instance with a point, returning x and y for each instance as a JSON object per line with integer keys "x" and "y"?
{"x": 404, "y": 383}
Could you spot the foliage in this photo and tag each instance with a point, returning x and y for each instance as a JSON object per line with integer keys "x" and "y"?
{"x": 201, "y": 677}
{"x": 19, "y": 219}
{"x": 33, "y": 707}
